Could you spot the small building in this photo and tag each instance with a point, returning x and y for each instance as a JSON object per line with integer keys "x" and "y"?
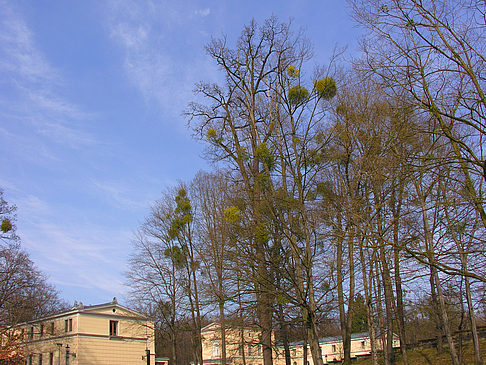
{"x": 103, "y": 334}
{"x": 332, "y": 349}
{"x": 241, "y": 342}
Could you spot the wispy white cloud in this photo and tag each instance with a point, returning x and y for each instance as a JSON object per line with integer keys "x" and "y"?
{"x": 76, "y": 254}
{"x": 119, "y": 195}
{"x": 19, "y": 54}
{"x": 203, "y": 12}
{"x": 25, "y": 147}
{"x": 162, "y": 58}
{"x": 36, "y": 87}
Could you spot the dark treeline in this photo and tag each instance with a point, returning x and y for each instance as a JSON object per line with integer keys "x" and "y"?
{"x": 344, "y": 198}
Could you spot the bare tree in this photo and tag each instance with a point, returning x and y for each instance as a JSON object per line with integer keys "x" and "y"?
{"x": 154, "y": 273}
{"x": 25, "y": 293}
{"x": 434, "y": 51}
{"x": 210, "y": 195}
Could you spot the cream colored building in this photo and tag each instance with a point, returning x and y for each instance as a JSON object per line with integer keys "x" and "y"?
{"x": 332, "y": 349}
{"x": 241, "y": 342}
{"x": 246, "y": 341}
{"x": 104, "y": 334}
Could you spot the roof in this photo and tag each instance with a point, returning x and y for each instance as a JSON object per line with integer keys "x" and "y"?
{"x": 324, "y": 340}
{"x": 213, "y": 326}
{"x": 81, "y": 308}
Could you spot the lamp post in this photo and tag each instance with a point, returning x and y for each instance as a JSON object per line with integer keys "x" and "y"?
{"x": 59, "y": 345}
{"x": 147, "y": 352}
{"x": 67, "y": 354}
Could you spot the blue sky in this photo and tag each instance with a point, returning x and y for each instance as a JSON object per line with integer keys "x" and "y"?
{"x": 91, "y": 125}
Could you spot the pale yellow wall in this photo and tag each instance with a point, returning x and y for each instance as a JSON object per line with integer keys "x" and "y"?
{"x": 59, "y": 328}
{"x": 47, "y": 346}
{"x": 100, "y": 325}
{"x": 251, "y": 338}
{"x": 105, "y": 351}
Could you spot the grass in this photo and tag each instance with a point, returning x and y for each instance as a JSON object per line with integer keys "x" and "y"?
{"x": 430, "y": 356}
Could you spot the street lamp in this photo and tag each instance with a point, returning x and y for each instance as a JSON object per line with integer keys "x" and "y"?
{"x": 59, "y": 345}
{"x": 67, "y": 354}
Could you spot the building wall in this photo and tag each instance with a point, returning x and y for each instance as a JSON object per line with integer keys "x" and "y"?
{"x": 106, "y": 351}
{"x": 239, "y": 343}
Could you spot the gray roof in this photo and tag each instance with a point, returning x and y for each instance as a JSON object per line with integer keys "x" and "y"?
{"x": 324, "y": 340}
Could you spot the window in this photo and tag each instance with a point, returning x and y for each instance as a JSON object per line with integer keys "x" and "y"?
{"x": 250, "y": 352}
{"x": 294, "y": 352}
{"x": 113, "y": 328}
{"x": 31, "y": 333}
{"x": 29, "y": 360}
{"x": 362, "y": 344}
{"x": 259, "y": 350}
{"x": 68, "y": 325}
{"x": 40, "y": 359}
{"x": 51, "y": 358}
{"x": 240, "y": 350}
{"x": 333, "y": 348}
{"x": 41, "y": 330}
{"x": 216, "y": 350}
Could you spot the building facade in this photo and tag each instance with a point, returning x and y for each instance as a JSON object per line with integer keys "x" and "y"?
{"x": 332, "y": 349}
{"x": 104, "y": 334}
{"x": 244, "y": 343}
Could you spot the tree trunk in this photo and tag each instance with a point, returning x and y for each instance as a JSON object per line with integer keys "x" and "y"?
{"x": 440, "y": 296}
{"x": 379, "y": 308}
{"x": 345, "y": 318}
{"x": 285, "y": 334}
{"x": 387, "y": 285}
{"x": 463, "y": 251}
{"x": 304, "y": 346}
{"x": 396, "y": 208}
{"x": 222, "y": 325}
{"x": 369, "y": 306}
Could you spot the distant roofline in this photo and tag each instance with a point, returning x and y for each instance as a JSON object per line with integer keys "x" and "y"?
{"x": 230, "y": 326}
{"x": 330, "y": 339}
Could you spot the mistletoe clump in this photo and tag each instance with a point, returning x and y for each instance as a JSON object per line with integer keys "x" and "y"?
{"x": 293, "y": 71}
{"x": 232, "y": 214}
{"x": 298, "y": 94}
{"x": 6, "y": 225}
{"x": 265, "y": 155}
{"x": 326, "y": 87}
